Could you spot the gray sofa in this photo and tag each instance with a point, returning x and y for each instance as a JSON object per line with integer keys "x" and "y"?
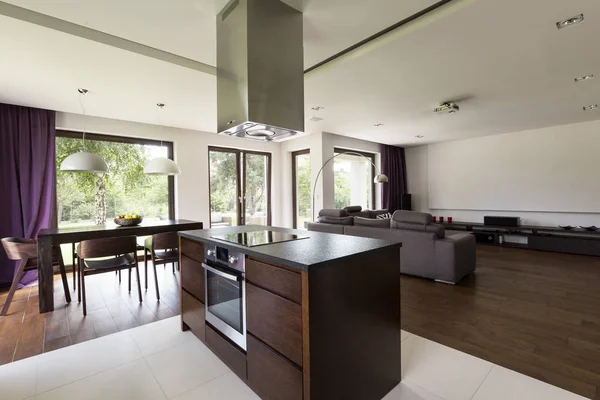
{"x": 426, "y": 250}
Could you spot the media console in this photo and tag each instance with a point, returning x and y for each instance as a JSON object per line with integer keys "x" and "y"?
{"x": 545, "y": 238}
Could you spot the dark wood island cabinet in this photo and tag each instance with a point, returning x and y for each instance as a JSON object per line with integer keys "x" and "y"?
{"x": 322, "y": 314}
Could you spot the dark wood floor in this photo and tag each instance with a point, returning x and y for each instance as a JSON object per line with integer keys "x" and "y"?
{"x": 111, "y": 308}
{"x": 533, "y": 312}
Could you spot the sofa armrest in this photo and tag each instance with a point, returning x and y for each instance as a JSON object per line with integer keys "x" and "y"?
{"x": 456, "y": 257}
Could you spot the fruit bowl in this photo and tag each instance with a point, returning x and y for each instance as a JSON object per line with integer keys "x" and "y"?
{"x": 128, "y": 220}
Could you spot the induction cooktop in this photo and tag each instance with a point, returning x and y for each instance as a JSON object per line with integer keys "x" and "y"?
{"x": 259, "y": 238}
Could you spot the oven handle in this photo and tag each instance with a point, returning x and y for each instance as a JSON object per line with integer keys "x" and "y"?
{"x": 225, "y": 275}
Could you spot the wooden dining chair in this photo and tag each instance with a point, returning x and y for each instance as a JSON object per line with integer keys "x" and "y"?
{"x": 25, "y": 251}
{"x": 161, "y": 248}
{"x": 120, "y": 253}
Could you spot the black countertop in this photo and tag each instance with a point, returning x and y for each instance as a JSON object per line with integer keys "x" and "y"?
{"x": 318, "y": 249}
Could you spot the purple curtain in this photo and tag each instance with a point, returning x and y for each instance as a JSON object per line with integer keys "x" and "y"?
{"x": 27, "y": 180}
{"x": 393, "y": 164}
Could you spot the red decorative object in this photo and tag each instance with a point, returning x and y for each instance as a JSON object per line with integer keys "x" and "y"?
{"x": 433, "y": 218}
{"x": 441, "y": 220}
{"x": 449, "y": 220}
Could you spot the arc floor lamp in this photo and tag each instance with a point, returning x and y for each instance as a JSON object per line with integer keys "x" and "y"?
{"x": 379, "y": 178}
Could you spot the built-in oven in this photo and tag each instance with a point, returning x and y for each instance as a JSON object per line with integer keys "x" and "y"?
{"x": 225, "y": 292}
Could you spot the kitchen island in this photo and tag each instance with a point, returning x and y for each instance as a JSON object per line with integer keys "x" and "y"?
{"x": 316, "y": 318}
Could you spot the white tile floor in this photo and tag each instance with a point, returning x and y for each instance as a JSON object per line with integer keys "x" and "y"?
{"x": 158, "y": 361}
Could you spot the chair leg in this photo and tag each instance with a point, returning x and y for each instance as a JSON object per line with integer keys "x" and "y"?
{"x": 13, "y": 287}
{"x": 79, "y": 285}
{"x": 82, "y": 284}
{"x": 146, "y": 268}
{"x": 119, "y": 272}
{"x": 129, "y": 280}
{"x": 139, "y": 282}
{"x": 173, "y": 264}
{"x": 156, "y": 283}
{"x": 74, "y": 265}
{"x": 63, "y": 275}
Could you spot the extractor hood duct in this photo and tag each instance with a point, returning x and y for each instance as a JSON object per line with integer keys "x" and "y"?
{"x": 260, "y": 70}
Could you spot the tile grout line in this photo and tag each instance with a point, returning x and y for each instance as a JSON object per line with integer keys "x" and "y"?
{"x": 89, "y": 376}
{"x": 483, "y": 381}
{"x": 148, "y": 365}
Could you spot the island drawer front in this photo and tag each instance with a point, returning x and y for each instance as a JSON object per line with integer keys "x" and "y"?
{"x": 231, "y": 355}
{"x": 280, "y": 281}
{"x": 192, "y": 277}
{"x": 276, "y": 321}
{"x": 192, "y": 249}
{"x": 270, "y": 375}
{"x": 193, "y": 313}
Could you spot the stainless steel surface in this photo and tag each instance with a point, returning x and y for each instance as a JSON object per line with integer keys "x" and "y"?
{"x": 225, "y": 275}
{"x": 236, "y": 263}
{"x": 260, "y": 70}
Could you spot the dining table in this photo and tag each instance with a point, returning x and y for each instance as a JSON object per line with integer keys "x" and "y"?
{"x": 47, "y": 238}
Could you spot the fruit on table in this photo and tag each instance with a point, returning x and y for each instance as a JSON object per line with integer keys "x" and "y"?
{"x": 128, "y": 216}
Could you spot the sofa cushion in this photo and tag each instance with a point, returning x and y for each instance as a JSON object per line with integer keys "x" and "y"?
{"x": 384, "y": 216}
{"x": 363, "y": 214}
{"x": 337, "y": 220}
{"x": 376, "y": 213}
{"x": 353, "y": 209}
{"x": 439, "y": 230}
{"x": 373, "y": 223}
{"x": 330, "y": 212}
{"x": 411, "y": 217}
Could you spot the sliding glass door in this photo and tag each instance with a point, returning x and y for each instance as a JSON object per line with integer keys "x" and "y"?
{"x": 240, "y": 187}
{"x": 224, "y": 187}
{"x": 301, "y": 187}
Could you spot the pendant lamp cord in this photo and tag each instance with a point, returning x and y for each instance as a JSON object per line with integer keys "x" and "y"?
{"x": 159, "y": 107}
{"x": 83, "y": 92}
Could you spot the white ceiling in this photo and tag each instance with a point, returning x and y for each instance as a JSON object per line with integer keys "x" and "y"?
{"x": 504, "y": 58}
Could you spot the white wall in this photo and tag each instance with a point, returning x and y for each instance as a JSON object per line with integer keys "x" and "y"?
{"x": 321, "y": 147}
{"x": 546, "y": 176}
{"x": 191, "y": 154}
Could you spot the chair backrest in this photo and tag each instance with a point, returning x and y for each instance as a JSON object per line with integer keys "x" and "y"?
{"x": 96, "y": 248}
{"x": 19, "y": 248}
{"x": 162, "y": 241}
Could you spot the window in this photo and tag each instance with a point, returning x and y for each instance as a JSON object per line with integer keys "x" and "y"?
{"x": 301, "y": 188}
{"x": 88, "y": 199}
{"x": 353, "y": 179}
{"x": 239, "y": 180}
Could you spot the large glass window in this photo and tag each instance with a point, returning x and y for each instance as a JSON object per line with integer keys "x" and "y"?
{"x": 353, "y": 179}
{"x": 301, "y": 188}
{"x": 93, "y": 199}
{"x": 239, "y": 180}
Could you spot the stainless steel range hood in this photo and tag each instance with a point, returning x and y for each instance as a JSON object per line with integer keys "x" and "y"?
{"x": 260, "y": 70}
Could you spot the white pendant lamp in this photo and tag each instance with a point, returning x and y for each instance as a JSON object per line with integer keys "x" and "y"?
{"x": 84, "y": 161}
{"x": 161, "y": 165}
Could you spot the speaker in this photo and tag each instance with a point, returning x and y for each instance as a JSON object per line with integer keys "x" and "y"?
{"x": 406, "y": 202}
{"x": 501, "y": 221}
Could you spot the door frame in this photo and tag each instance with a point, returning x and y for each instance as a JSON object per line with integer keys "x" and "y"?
{"x": 294, "y": 178}
{"x": 241, "y": 181}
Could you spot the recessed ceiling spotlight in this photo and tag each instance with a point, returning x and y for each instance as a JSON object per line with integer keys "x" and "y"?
{"x": 83, "y": 91}
{"x": 569, "y": 21}
{"x": 316, "y": 119}
{"x": 378, "y": 124}
{"x": 584, "y": 78}
{"x": 419, "y": 136}
{"x": 317, "y": 108}
{"x": 590, "y": 107}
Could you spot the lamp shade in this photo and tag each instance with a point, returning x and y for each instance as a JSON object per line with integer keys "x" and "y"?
{"x": 381, "y": 178}
{"x": 84, "y": 162}
{"x": 161, "y": 166}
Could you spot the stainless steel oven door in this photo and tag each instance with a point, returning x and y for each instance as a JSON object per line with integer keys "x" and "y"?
{"x": 226, "y": 302}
